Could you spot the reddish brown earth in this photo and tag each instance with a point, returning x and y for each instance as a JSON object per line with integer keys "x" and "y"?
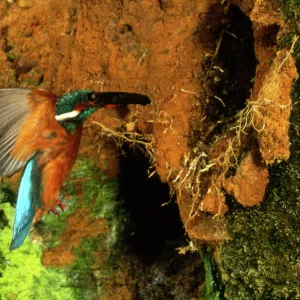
{"x": 127, "y": 46}
{"x": 274, "y": 104}
{"x": 63, "y": 255}
{"x": 271, "y": 105}
{"x": 248, "y": 185}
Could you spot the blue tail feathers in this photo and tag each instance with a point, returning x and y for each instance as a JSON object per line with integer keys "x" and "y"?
{"x": 21, "y": 231}
{"x": 27, "y": 202}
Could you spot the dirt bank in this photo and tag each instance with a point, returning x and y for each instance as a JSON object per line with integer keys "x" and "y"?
{"x": 219, "y": 84}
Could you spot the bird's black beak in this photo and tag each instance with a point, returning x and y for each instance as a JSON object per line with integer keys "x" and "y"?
{"x": 115, "y": 99}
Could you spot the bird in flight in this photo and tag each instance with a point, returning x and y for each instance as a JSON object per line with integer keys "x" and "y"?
{"x": 41, "y": 132}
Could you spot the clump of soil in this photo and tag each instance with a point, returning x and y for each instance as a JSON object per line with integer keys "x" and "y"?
{"x": 249, "y": 183}
{"x": 274, "y": 96}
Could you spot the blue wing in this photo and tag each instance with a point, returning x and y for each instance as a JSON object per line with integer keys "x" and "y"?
{"x": 27, "y": 202}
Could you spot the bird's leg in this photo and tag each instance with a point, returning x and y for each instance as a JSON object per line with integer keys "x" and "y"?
{"x": 60, "y": 205}
{"x": 54, "y": 210}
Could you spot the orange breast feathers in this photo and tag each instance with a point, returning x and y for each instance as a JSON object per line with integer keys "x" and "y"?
{"x": 59, "y": 149}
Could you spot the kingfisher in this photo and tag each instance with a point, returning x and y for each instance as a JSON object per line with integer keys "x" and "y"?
{"x": 41, "y": 132}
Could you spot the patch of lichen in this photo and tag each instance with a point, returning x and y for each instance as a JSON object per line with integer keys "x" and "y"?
{"x": 262, "y": 259}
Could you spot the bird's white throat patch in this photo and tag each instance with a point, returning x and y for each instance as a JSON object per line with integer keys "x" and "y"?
{"x": 67, "y": 116}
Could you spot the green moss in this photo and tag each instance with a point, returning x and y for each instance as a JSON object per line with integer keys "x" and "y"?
{"x": 6, "y": 194}
{"x": 33, "y": 79}
{"x": 100, "y": 193}
{"x": 290, "y": 11}
{"x": 290, "y": 8}
{"x": 89, "y": 188}
{"x": 11, "y": 56}
{"x": 22, "y": 274}
{"x": 262, "y": 261}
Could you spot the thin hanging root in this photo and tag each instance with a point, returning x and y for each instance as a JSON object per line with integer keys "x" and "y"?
{"x": 190, "y": 248}
{"x": 164, "y": 119}
{"x": 189, "y": 177}
{"x": 219, "y": 99}
{"x": 295, "y": 39}
{"x": 195, "y": 164}
{"x": 219, "y": 199}
{"x": 244, "y": 123}
{"x": 145, "y": 142}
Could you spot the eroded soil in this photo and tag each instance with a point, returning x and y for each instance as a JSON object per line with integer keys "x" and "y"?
{"x": 177, "y": 53}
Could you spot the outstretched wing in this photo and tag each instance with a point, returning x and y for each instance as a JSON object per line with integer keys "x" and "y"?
{"x": 13, "y": 112}
{"x": 28, "y": 201}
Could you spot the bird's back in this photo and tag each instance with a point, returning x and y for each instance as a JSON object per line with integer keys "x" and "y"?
{"x": 50, "y": 152}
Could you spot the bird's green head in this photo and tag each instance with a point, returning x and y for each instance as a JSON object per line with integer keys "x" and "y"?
{"x": 74, "y": 108}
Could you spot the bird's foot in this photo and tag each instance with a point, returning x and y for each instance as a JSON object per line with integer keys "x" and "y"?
{"x": 60, "y": 205}
{"x": 54, "y": 211}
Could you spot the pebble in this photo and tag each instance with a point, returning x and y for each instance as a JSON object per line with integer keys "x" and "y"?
{"x": 25, "y": 3}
